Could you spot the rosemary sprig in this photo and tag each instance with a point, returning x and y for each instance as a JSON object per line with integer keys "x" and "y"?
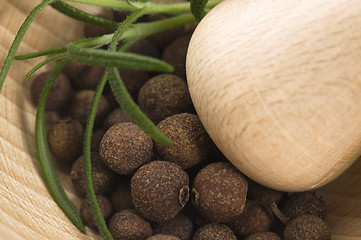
{"x": 84, "y": 51}
{"x": 19, "y": 36}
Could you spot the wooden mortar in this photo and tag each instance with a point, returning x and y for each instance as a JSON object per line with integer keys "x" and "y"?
{"x": 27, "y": 211}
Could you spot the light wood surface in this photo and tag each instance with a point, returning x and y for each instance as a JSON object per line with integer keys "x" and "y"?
{"x": 277, "y": 85}
{"x": 26, "y": 209}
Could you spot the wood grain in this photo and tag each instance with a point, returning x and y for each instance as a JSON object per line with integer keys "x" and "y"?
{"x": 27, "y": 211}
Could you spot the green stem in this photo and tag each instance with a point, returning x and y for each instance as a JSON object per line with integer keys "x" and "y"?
{"x": 98, "y": 216}
{"x": 152, "y": 7}
{"x": 124, "y": 26}
{"x": 19, "y": 36}
{"x": 137, "y": 31}
{"x": 44, "y": 155}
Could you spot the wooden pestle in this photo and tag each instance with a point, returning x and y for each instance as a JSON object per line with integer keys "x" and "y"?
{"x": 277, "y": 85}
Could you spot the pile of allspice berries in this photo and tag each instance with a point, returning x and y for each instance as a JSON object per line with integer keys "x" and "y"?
{"x": 146, "y": 190}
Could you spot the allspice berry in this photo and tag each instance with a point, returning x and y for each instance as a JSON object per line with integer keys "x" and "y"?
{"x": 115, "y": 116}
{"x": 160, "y": 190}
{"x": 175, "y": 54}
{"x": 163, "y": 237}
{"x": 253, "y": 219}
{"x": 180, "y": 226}
{"x": 75, "y": 71}
{"x": 59, "y": 95}
{"x": 263, "y": 236}
{"x": 301, "y": 203}
{"x": 307, "y": 227}
{"x": 214, "y": 231}
{"x": 133, "y": 80}
{"x": 129, "y": 225}
{"x": 87, "y": 215}
{"x": 190, "y": 141}
{"x": 164, "y": 95}
{"x": 125, "y": 147}
{"x": 263, "y": 195}
{"x": 65, "y": 139}
{"x": 163, "y": 39}
{"x": 219, "y": 192}
{"x": 81, "y": 104}
{"x": 121, "y": 197}
{"x": 103, "y": 177}
{"x": 145, "y": 47}
{"x": 89, "y": 79}
{"x": 97, "y": 136}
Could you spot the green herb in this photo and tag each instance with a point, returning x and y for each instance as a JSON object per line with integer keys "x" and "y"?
{"x": 94, "y": 206}
{"x": 86, "y": 51}
{"x": 198, "y": 8}
{"x": 19, "y": 36}
{"x": 44, "y": 155}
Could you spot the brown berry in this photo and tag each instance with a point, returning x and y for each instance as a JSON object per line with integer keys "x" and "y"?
{"x": 164, "y": 95}
{"x": 129, "y": 225}
{"x": 115, "y": 116}
{"x": 96, "y": 138}
{"x": 214, "y": 231}
{"x": 145, "y": 47}
{"x": 163, "y": 39}
{"x": 307, "y": 227}
{"x": 89, "y": 79}
{"x": 125, "y": 147}
{"x": 121, "y": 197}
{"x": 190, "y": 141}
{"x": 81, "y": 104}
{"x": 160, "y": 190}
{"x": 301, "y": 203}
{"x": 103, "y": 177}
{"x": 253, "y": 219}
{"x": 75, "y": 70}
{"x": 263, "y": 236}
{"x": 59, "y": 95}
{"x": 163, "y": 237}
{"x": 219, "y": 192}
{"x": 133, "y": 80}
{"x": 175, "y": 54}
{"x": 65, "y": 139}
{"x": 263, "y": 195}
{"x": 180, "y": 226}
{"x": 87, "y": 214}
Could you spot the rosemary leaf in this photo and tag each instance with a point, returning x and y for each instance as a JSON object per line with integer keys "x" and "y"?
{"x": 46, "y": 61}
{"x": 197, "y": 8}
{"x": 132, "y": 110}
{"x": 19, "y": 36}
{"x": 44, "y": 155}
{"x": 122, "y": 60}
{"x": 80, "y": 15}
{"x": 98, "y": 216}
